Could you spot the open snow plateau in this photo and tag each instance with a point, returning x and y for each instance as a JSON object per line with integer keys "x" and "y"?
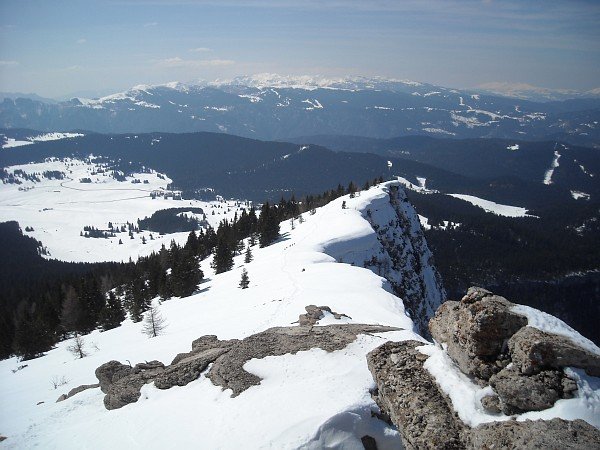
{"x": 58, "y": 209}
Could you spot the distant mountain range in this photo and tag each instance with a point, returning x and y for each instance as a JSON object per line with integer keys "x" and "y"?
{"x": 280, "y": 108}
{"x": 521, "y": 173}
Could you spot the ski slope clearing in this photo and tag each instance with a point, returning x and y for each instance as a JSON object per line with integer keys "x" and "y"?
{"x": 492, "y": 207}
{"x": 76, "y": 193}
{"x": 312, "y": 398}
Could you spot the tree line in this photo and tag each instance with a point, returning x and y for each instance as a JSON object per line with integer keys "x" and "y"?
{"x": 76, "y": 299}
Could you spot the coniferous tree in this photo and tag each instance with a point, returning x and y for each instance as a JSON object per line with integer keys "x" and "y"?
{"x": 268, "y": 225}
{"x": 245, "y": 280}
{"x": 248, "y": 257}
{"x": 185, "y": 273}
{"x": 112, "y": 314}
{"x": 32, "y": 338}
{"x": 71, "y": 314}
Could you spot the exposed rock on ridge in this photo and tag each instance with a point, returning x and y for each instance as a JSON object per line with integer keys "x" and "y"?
{"x": 407, "y": 262}
{"x": 122, "y": 383}
{"x": 494, "y": 345}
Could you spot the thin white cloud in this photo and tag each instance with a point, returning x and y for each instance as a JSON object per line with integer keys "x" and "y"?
{"x": 9, "y": 63}
{"x": 200, "y": 50}
{"x": 81, "y": 41}
{"x": 150, "y": 24}
{"x": 178, "y": 62}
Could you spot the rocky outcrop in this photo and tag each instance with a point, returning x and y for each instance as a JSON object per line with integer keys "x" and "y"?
{"x": 476, "y": 331}
{"x": 534, "y": 435}
{"x": 228, "y": 370}
{"x": 532, "y": 351}
{"x": 122, "y": 383}
{"x": 316, "y": 313}
{"x": 425, "y": 417}
{"x": 495, "y": 347}
{"x": 408, "y": 394}
{"x": 77, "y": 390}
{"x": 520, "y": 393}
{"x": 405, "y": 259}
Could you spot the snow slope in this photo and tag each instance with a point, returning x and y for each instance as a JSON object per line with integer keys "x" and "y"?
{"x": 312, "y": 398}
{"x": 58, "y": 209}
{"x": 493, "y": 207}
{"x": 54, "y": 136}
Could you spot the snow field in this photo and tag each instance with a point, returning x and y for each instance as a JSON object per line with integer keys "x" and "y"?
{"x": 59, "y": 209}
{"x": 493, "y": 207}
{"x": 312, "y": 399}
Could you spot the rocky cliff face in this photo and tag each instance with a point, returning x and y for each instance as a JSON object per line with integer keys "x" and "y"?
{"x": 520, "y": 368}
{"x": 405, "y": 259}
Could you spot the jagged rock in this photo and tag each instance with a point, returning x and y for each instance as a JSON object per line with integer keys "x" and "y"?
{"x": 524, "y": 367}
{"x": 315, "y": 313}
{"x": 476, "y": 331}
{"x": 2, "y": 438}
{"x": 228, "y": 370}
{"x": 122, "y": 383}
{"x": 77, "y": 390}
{"x": 533, "y": 350}
{"x": 491, "y": 404}
{"x": 110, "y": 372}
{"x": 147, "y": 366}
{"x": 555, "y": 434}
{"x": 203, "y": 343}
{"x": 408, "y": 393}
{"x": 127, "y": 388}
{"x": 188, "y": 369}
{"x": 519, "y": 393}
{"x": 476, "y": 293}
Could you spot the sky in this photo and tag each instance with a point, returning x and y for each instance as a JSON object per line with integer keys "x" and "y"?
{"x": 62, "y": 48}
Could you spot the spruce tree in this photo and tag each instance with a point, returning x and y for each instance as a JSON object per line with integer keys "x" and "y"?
{"x": 32, "y": 337}
{"x": 245, "y": 280}
{"x": 248, "y": 257}
{"x": 268, "y": 225}
{"x": 112, "y": 314}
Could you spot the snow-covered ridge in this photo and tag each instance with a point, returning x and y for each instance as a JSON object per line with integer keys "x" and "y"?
{"x": 258, "y": 81}
{"x": 313, "y": 398}
{"x": 308, "y": 82}
{"x": 11, "y": 142}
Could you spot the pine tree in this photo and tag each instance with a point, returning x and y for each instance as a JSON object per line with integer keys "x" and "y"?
{"x": 268, "y": 225}
{"x": 32, "y": 338}
{"x": 344, "y": 204}
{"x": 245, "y": 280}
{"x": 154, "y": 324}
{"x": 112, "y": 314}
{"x": 248, "y": 256}
{"x": 300, "y": 219}
{"x": 70, "y": 317}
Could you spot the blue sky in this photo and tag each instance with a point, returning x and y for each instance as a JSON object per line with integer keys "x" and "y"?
{"x": 55, "y": 48}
